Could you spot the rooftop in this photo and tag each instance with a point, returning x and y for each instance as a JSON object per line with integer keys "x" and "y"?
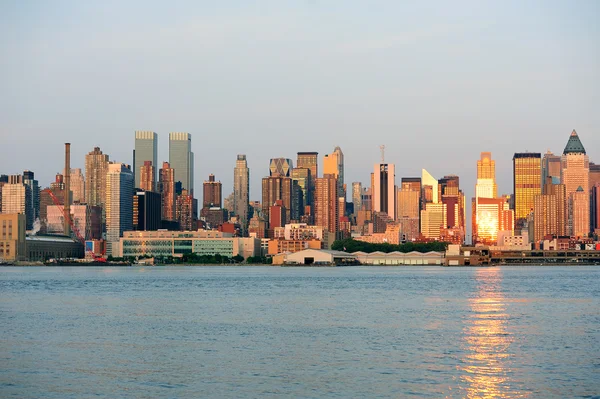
{"x": 574, "y": 145}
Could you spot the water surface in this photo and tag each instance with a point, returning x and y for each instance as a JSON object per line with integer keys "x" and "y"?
{"x": 268, "y": 332}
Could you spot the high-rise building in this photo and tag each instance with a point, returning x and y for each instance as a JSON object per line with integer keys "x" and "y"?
{"x": 300, "y": 187}
{"x": 575, "y": 174}
{"x": 527, "y": 184}
{"x": 241, "y": 191}
{"x": 32, "y": 199}
{"x": 166, "y": 182}
{"x": 280, "y": 167}
{"x": 492, "y": 216}
{"x": 326, "y": 203}
{"x": 333, "y": 164}
{"x": 357, "y": 196}
{"x": 486, "y": 177}
{"x": 147, "y": 177}
{"x": 146, "y": 211}
{"x": 384, "y": 189}
{"x": 448, "y": 185}
{"x": 429, "y": 187}
{"x": 309, "y": 160}
{"x": 181, "y": 159}
{"x": 580, "y": 211}
{"x": 87, "y": 219}
{"x": 212, "y": 193}
{"x": 96, "y": 168}
{"x": 77, "y": 186}
{"x": 545, "y": 216}
{"x": 277, "y": 188}
{"x": 550, "y": 166}
{"x": 184, "y": 211}
{"x": 14, "y": 198}
{"x": 119, "y": 204}
{"x": 595, "y": 208}
{"x": 594, "y": 174}
{"x": 433, "y": 220}
{"x": 146, "y": 149}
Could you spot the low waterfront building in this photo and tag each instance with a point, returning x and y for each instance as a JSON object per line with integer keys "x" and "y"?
{"x": 400, "y": 258}
{"x": 44, "y": 247}
{"x": 177, "y": 243}
{"x": 315, "y": 257}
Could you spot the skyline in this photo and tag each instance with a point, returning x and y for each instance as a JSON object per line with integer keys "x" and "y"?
{"x": 468, "y": 78}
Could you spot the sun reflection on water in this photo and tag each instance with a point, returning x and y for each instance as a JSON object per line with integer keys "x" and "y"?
{"x": 486, "y": 364}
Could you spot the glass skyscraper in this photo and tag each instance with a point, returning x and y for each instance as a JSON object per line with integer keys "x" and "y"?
{"x": 146, "y": 147}
{"x": 181, "y": 158}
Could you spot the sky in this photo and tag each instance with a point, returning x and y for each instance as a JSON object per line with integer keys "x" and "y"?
{"x": 435, "y": 82}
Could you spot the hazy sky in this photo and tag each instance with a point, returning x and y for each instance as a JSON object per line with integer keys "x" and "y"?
{"x": 436, "y": 82}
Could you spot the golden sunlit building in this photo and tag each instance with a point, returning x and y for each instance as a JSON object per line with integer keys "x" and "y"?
{"x": 326, "y": 203}
{"x": 433, "y": 220}
{"x": 527, "y": 184}
{"x": 333, "y": 164}
{"x": 580, "y": 211}
{"x": 492, "y": 216}
{"x": 575, "y": 175}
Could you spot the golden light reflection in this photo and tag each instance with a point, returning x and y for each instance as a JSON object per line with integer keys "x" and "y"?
{"x": 487, "y": 358}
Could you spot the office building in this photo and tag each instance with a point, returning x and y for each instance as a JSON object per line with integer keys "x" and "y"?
{"x": 277, "y": 188}
{"x": 486, "y": 177}
{"x": 32, "y": 199}
{"x": 184, "y": 210}
{"x": 301, "y": 179}
{"x": 595, "y": 209}
{"x": 309, "y": 160}
{"x": 575, "y": 174}
{"x": 147, "y": 177}
{"x": 280, "y": 167}
{"x": 433, "y": 220}
{"x": 212, "y": 193}
{"x": 119, "y": 204}
{"x": 146, "y": 149}
{"x": 357, "y": 190}
{"x": 493, "y": 215}
{"x": 384, "y": 189}
{"x": 96, "y": 168}
{"x": 77, "y": 186}
{"x": 12, "y": 236}
{"x": 333, "y": 164}
{"x": 429, "y": 188}
{"x": 14, "y": 197}
{"x": 181, "y": 159}
{"x": 166, "y": 182}
{"x": 241, "y": 191}
{"x": 527, "y": 184}
{"x": 146, "y": 211}
{"x": 326, "y": 203}
{"x": 550, "y": 166}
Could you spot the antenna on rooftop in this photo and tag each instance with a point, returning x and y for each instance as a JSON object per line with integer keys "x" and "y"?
{"x": 382, "y": 148}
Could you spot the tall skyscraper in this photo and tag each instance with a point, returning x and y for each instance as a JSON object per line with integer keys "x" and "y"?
{"x": 384, "y": 189}
{"x": 166, "y": 182}
{"x": 181, "y": 159}
{"x": 486, "y": 177}
{"x": 309, "y": 160}
{"x": 32, "y": 199}
{"x": 280, "y": 167}
{"x": 326, "y": 203}
{"x": 333, "y": 164}
{"x": 527, "y": 184}
{"x": 212, "y": 193}
{"x": 146, "y": 149}
{"x": 96, "y": 168}
{"x": 493, "y": 216}
{"x": 241, "y": 191}
{"x": 300, "y": 186}
{"x": 277, "y": 188}
{"x": 575, "y": 174}
{"x": 119, "y": 205}
{"x": 146, "y": 211}
{"x": 357, "y": 196}
{"x": 550, "y": 166}
{"x": 147, "y": 177}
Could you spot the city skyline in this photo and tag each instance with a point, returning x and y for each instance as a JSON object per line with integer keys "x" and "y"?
{"x": 431, "y": 83}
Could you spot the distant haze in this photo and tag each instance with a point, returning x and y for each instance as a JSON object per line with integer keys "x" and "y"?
{"x": 436, "y": 82}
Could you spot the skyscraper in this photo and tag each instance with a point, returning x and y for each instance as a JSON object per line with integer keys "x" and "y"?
{"x": 527, "y": 184}
{"x": 326, "y": 203}
{"x": 434, "y": 218}
{"x": 550, "y": 167}
{"x": 13, "y": 198}
{"x": 575, "y": 174}
{"x": 32, "y": 199}
{"x": 184, "y": 211}
{"x": 334, "y": 164}
{"x": 277, "y": 188}
{"x": 96, "y": 167}
{"x": 309, "y": 160}
{"x": 595, "y": 208}
{"x": 147, "y": 177}
{"x": 384, "y": 189}
{"x": 146, "y": 148}
{"x": 212, "y": 193}
{"x": 119, "y": 204}
{"x": 241, "y": 191}
{"x": 181, "y": 159}
{"x": 146, "y": 211}
{"x": 357, "y": 196}
{"x": 280, "y": 167}
{"x": 166, "y": 182}
{"x": 300, "y": 181}
{"x": 77, "y": 185}
{"x": 429, "y": 187}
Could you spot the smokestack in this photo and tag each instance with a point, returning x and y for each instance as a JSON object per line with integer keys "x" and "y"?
{"x": 67, "y": 226}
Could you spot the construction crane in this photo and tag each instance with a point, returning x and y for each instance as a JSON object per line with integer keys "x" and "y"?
{"x": 74, "y": 228}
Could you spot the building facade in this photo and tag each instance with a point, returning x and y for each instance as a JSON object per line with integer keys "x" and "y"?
{"x": 146, "y": 149}
{"x": 146, "y": 211}
{"x": 119, "y": 204}
{"x": 326, "y": 203}
{"x": 212, "y": 193}
{"x": 384, "y": 189}
{"x": 527, "y": 184}
{"x": 166, "y": 182}
{"x": 333, "y": 164}
{"x": 181, "y": 159}
{"x": 575, "y": 175}
{"x": 12, "y": 237}
{"x": 96, "y": 168}
{"x": 241, "y": 191}
{"x": 146, "y": 177}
